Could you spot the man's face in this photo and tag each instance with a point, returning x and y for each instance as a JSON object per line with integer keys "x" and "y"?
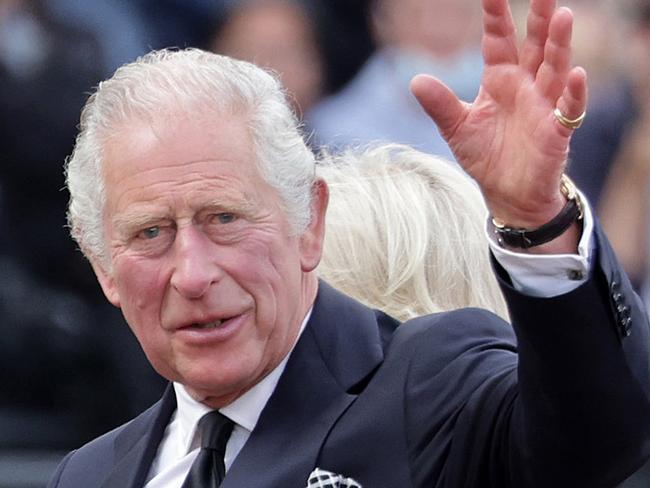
{"x": 203, "y": 264}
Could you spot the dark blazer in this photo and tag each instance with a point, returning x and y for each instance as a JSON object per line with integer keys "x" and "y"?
{"x": 446, "y": 400}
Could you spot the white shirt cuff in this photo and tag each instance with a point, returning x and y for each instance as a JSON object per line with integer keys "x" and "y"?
{"x": 548, "y": 275}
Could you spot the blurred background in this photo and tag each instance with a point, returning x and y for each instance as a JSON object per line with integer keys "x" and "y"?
{"x": 69, "y": 367}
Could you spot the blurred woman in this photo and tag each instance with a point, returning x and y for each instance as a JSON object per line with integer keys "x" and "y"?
{"x": 406, "y": 233}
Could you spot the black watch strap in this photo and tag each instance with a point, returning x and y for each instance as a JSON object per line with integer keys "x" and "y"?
{"x": 525, "y": 238}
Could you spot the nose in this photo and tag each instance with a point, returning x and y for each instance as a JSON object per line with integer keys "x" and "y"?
{"x": 195, "y": 269}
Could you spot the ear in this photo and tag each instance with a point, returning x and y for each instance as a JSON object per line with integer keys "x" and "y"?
{"x": 311, "y": 240}
{"x": 106, "y": 282}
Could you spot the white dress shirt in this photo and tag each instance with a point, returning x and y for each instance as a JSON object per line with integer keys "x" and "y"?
{"x": 532, "y": 274}
{"x": 548, "y": 275}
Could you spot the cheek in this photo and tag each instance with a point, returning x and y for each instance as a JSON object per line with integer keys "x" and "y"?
{"x": 140, "y": 284}
{"x": 142, "y": 287}
{"x": 269, "y": 271}
{"x": 265, "y": 264}
{"x": 276, "y": 283}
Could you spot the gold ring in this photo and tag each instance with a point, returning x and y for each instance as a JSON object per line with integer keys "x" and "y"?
{"x": 572, "y": 124}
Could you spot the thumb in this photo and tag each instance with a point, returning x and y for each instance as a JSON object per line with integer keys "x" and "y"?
{"x": 439, "y": 102}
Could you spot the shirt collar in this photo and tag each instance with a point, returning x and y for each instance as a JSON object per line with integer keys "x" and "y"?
{"x": 244, "y": 411}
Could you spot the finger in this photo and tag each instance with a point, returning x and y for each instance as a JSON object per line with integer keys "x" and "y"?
{"x": 499, "y": 42}
{"x": 573, "y": 102}
{"x": 440, "y": 103}
{"x": 552, "y": 74}
{"x": 537, "y": 23}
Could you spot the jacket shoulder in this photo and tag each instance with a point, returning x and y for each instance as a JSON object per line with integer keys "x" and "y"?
{"x": 448, "y": 334}
{"x": 90, "y": 464}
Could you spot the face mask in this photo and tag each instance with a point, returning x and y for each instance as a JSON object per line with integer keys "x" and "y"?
{"x": 461, "y": 73}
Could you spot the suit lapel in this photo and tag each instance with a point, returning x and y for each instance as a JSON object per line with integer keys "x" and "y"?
{"x": 336, "y": 354}
{"x": 136, "y": 446}
{"x": 338, "y": 350}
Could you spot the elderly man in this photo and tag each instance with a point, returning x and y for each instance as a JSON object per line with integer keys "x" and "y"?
{"x": 194, "y": 198}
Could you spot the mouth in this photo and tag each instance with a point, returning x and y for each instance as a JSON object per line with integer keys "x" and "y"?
{"x": 208, "y": 325}
{"x": 203, "y": 331}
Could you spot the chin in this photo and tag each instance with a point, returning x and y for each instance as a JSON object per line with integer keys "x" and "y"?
{"x": 214, "y": 395}
{"x": 216, "y": 382}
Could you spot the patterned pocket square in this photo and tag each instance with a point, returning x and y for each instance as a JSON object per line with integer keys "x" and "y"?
{"x": 319, "y": 478}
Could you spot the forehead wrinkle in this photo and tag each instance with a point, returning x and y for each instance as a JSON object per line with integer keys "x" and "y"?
{"x": 219, "y": 191}
{"x": 142, "y": 214}
{"x": 196, "y": 180}
{"x": 191, "y": 172}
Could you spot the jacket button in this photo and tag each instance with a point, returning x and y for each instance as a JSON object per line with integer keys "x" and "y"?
{"x": 623, "y": 310}
{"x": 575, "y": 275}
{"x": 626, "y": 326}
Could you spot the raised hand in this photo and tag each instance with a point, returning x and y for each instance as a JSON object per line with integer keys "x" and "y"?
{"x": 508, "y": 139}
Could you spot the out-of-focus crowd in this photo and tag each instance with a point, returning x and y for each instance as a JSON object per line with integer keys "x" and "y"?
{"x": 69, "y": 367}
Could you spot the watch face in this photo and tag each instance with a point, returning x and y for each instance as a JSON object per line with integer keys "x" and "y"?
{"x": 567, "y": 187}
{"x": 525, "y": 238}
{"x": 569, "y": 190}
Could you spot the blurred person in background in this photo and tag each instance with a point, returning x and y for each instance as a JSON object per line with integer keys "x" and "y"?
{"x": 347, "y": 40}
{"x": 45, "y": 70}
{"x": 67, "y": 368}
{"x": 625, "y": 205}
{"x": 126, "y": 30}
{"x": 180, "y": 23}
{"x": 599, "y": 33}
{"x": 438, "y": 37}
{"x": 406, "y": 233}
{"x": 285, "y": 39}
{"x": 121, "y": 31}
{"x": 59, "y": 385}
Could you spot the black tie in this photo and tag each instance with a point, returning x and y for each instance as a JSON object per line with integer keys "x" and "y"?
{"x": 208, "y": 469}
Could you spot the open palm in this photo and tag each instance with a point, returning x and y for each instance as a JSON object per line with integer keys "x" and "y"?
{"x": 508, "y": 139}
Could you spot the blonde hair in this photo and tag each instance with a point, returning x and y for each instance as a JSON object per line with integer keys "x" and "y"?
{"x": 405, "y": 233}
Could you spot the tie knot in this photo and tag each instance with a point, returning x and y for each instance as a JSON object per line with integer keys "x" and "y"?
{"x": 215, "y": 430}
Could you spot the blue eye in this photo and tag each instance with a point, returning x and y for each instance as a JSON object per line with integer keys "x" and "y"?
{"x": 151, "y": 232}
{"x": 225, "y": 218}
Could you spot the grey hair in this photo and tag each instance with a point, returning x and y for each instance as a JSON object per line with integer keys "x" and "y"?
{"x": 191, "y": 80}
{"x": 405, "y": 233}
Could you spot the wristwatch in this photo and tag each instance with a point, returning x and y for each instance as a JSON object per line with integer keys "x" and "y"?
{"x": 525, "y": 238}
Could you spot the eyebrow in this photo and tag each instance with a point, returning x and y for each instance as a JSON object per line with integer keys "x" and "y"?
{"x": 240, "y": 206}
{"x": 131, "y": 221}
{"x": 127, "y": 223}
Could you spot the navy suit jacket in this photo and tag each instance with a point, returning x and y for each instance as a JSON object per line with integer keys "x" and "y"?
{"x": 456, "y": 399}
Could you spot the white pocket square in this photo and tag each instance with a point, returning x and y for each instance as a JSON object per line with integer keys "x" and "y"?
{"x": 319, "y": 478}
